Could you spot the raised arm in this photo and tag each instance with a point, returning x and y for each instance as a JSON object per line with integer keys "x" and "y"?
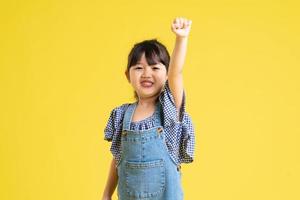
{"x": 181, "y": 28}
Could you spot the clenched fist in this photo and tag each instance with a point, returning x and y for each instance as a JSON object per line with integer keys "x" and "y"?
{"x": 181, "y": 26}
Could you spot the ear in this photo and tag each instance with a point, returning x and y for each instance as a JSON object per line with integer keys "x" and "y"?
{"x": 127, "y": 76}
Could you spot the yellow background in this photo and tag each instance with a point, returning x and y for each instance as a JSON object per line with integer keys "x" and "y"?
{"x": 62, "y": 72}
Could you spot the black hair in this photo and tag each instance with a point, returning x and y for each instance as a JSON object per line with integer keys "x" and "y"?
{"x": 155, "y": 52}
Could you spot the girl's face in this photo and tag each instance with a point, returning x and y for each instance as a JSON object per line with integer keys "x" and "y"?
{"x": 147, "y": 80}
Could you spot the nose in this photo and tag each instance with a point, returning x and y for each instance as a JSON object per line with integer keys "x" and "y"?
{"x": 147, "y": 71}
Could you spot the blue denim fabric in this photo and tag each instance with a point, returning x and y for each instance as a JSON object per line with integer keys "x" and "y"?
{"x": 146, "y": 170}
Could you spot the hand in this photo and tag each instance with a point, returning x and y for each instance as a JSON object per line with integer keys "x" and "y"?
{"x": 181, "y": 26}
{"x": 106, "y": 198}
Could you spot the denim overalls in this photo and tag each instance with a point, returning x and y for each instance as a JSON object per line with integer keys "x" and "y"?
{"x": 146, "y": 170}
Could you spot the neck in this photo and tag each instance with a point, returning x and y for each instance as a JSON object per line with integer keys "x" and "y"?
{"x": 147, "y": 102}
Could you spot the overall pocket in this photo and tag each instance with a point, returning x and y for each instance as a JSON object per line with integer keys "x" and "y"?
{"x": 145, "y": 179}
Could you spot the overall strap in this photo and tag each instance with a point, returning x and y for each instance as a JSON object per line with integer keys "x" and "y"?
{"x": 158, "y": 114}
{"x": 128, "y": 116}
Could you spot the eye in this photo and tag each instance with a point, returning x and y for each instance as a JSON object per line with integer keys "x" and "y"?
{"x": 138, "y": 67}
{"x": 156, "y": 66}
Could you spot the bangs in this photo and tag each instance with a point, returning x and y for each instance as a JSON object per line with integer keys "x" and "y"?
{"x": 155, "y": 52}
{"x": 152, "y": 54}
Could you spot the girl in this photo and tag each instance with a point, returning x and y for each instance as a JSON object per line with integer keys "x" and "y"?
{"x": 154, "y": 135}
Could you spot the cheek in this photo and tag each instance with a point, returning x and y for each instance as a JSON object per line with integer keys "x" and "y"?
{"x": 162, "y": 77}
{"x": 134, "y": 77}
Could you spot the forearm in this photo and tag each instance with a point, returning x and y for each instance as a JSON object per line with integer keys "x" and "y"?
{"x": 178, "y": 56}
{"x": 112, "y": 180}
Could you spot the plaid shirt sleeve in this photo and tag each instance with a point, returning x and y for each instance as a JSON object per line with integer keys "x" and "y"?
{"x": 113, "y": 129}
{"x": 178, "y": 125}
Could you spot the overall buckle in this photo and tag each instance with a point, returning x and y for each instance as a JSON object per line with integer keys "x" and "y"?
{"x": 159, "y": 130}
{"x": 124, "y": 133}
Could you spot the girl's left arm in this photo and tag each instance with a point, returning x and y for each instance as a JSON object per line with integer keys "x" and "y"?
{"x": 181, "y": 27}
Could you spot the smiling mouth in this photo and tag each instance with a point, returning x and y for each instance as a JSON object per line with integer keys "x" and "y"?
{"x": 147, "y": 84}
